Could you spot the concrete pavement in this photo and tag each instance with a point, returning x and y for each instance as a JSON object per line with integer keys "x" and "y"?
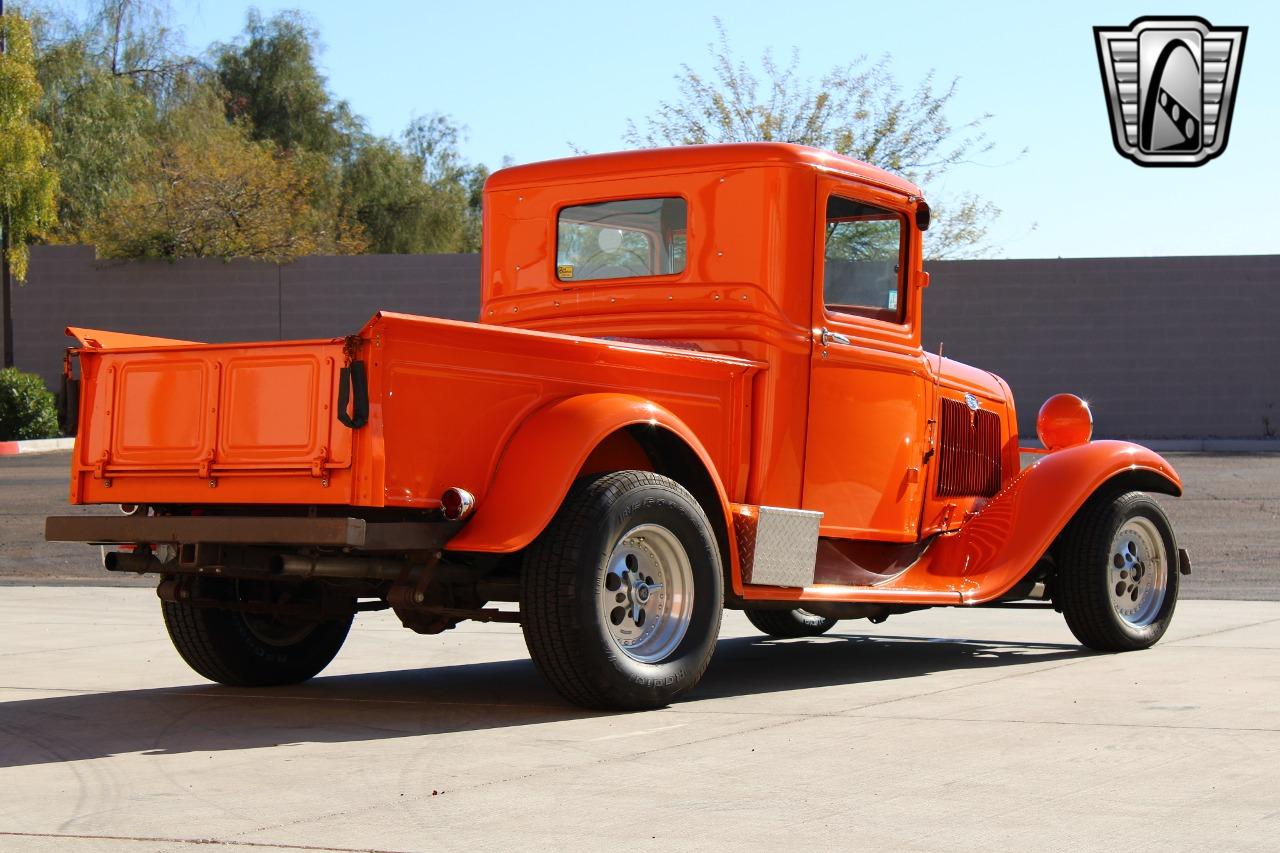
{"x": 957, "y": 730}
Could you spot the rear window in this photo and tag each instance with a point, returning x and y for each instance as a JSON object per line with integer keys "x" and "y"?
{"x": 622, "y": 239}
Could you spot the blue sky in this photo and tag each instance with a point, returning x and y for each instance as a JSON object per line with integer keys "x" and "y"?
{"x": 529, "y": 78}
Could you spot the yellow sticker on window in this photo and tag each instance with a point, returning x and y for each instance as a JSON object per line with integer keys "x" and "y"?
{"x": 564, "y": 271}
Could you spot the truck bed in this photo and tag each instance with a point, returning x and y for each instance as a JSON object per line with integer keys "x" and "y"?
{"x": 258, "y": 423}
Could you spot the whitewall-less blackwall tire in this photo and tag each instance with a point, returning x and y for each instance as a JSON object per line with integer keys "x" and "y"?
{"x": 621, "y": 595}
{"x": 1117, "y": 581}
{"x": 784, "y": 624}
{"x": 244, "y": 650}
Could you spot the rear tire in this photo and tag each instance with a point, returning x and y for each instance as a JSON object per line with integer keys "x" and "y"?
{"x": 621, "y": 595}
{"x": 242, "y": 650}
{"x": 785, "y": 624}
{"x": 1117, "y": 582}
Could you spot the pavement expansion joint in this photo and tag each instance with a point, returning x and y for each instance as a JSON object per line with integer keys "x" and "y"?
{"x": 223, "y": 842}
{"x": 1227, "y": 630}
{"x": 1081, "y": 723}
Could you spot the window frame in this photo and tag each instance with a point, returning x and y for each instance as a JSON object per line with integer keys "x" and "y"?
{"x": 687, "y": 230}
{"x": 844, "y": 312}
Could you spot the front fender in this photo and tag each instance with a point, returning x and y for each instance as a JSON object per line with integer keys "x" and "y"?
{"x": 998, "y": 546}
{"x": 545, "y": 455}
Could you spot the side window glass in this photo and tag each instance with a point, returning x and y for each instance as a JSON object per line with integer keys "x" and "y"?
{"x": 863, "y": 260}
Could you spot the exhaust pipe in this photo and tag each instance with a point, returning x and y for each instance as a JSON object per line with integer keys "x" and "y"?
{"x": 367, "y": 568}
{"x": 456, "y": 504}
{"x": 127, "y": 561}
{"x": 292, "y": 565}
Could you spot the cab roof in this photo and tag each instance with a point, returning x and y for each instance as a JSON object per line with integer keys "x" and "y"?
{"x": 694, "y": 158}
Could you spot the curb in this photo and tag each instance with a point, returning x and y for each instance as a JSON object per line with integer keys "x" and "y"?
{"x": 35, "y": 445}
{"x": 1195, "y": 445}
{"x": 1212, "y": 445}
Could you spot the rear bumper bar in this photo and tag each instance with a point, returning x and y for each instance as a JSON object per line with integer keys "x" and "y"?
{"x": 250, "y": 530}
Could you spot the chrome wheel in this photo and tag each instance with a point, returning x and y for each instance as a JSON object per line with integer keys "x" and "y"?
{"x": 646, "y": 598}
{"x": 1139, "y": 572}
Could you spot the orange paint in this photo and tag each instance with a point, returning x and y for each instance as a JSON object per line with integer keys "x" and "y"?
{"x": 1064, "y": 421}
{"x": 782, "y": 399}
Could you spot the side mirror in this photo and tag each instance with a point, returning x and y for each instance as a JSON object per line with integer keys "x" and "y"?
{"x": 924, "y": 280}
{"x": 922, "y": 216}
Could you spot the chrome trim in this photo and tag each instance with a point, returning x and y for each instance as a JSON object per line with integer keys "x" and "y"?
{"x": 1139, "y": 572}
{"x": 829, "y": 337}
{"x": 646, "y": 594}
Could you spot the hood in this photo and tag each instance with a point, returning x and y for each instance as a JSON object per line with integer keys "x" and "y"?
{"x": 971, "y": 380}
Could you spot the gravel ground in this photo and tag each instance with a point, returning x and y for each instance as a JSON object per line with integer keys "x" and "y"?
{"x": 1229, "y": 519}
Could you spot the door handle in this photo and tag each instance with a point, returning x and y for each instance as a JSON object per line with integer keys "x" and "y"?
{"x": 830, "y": 337}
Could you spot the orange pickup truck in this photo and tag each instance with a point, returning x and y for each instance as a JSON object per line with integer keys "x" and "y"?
{"x": 697, "y": 382}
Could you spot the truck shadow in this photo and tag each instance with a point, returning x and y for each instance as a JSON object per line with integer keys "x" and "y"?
{"x": 753, "y": 665}
{"x": 439, "y": 700}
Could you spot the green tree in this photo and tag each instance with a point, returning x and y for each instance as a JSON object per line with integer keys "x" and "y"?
{"x": 210, "y": 190}
{"x": 858, "y": 109}
{"x": 419, "y": 196}
{"x": 399, "y": 210}
{"x": 473, "y": 220}
{"x": 101, "y": 126}
{"x": 107, "y": 78}
{"x": 435, "y": 140}
{"x": 132, "y": 39}
{"x": 28, "y": 186}
{"x": 120, "y": 97}
{"x": 271, "y": 79}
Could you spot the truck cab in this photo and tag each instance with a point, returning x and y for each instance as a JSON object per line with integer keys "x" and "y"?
{"x": 696, "y": 382}
{"x": 800, "y": 259}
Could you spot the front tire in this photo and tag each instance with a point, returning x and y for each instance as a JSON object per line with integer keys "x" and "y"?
{"x": 1117, "y": 581}
{"x": 785, "y": 624}
{"x": 621, "y": 595}
{"x": 243, "y": 650}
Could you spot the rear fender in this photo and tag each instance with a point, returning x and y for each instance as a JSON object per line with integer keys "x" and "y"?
{"x": 549, "y": 450}
{"x": 998, "y": 546}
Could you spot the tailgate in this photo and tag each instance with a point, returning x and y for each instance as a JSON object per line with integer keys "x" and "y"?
{"x": 169, "y": 421}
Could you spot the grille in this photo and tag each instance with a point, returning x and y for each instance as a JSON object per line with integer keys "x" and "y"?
{"x": 968, "y": 451}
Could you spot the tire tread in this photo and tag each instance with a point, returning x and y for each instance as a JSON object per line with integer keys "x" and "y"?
{"x": 1085, "y": 606}
{"x": 194, "y": 642}
{"x": 548, "y": 605}
{"x": 207, "y": 641}
{"x": 787, "y": 624}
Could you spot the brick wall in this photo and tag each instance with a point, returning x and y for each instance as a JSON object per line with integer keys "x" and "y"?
{"x": 1162, "y": 347}
{"x": 325, "y": 296}
{"x": 212, "y": 300}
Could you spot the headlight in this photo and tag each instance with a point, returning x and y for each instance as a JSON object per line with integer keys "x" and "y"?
{"x": 1064, "y": 421}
